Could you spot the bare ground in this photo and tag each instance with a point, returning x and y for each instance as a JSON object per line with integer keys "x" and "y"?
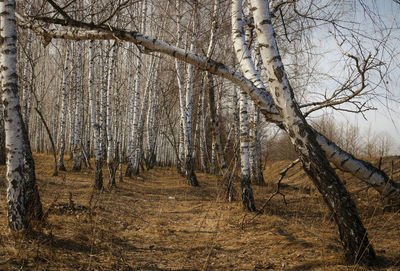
{"x": 158, "y": 222}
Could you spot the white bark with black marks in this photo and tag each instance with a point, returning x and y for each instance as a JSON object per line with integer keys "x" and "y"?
{"x": 351, "y": 230}
{"x": 63, "y": 113}
{"x": 98, "y": 180}
{"x": 23, "y": 201}
{"x": 78, "y": 109}
{"x": 245, "y": 184}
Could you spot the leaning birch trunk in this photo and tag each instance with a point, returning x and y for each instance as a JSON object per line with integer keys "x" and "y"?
{"x": 363, "y": 170}
{"x": 98, "y": 179}
{"x": 63, "y": 121}
{"x": 351, "y": 230}
{"x": 23, "y": 201}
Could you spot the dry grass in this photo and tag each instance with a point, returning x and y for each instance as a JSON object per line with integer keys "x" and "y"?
{"x": 159, "y": 223}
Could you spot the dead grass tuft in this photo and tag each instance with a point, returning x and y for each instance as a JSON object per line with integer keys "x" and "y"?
{"x": 160, "y": 223}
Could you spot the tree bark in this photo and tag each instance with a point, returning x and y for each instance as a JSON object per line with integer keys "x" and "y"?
{"x": 63, "y": 122}
{"x": 23, "y": 200}
{"x": 78, "y": 109}
{"x": 351, "y": 230}
{"x": 98, "y": 157}
{"x": 245, "y": 183}
{"x": 2, "y": 138}
{"x": 110, "y": 142}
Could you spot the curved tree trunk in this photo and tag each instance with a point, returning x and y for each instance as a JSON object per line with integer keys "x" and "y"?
{"x": 351, "y": 230}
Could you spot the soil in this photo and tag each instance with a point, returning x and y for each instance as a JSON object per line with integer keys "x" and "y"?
{"x": 157, "y": 222}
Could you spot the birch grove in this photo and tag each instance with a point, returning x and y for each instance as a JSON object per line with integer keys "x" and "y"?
{"x": 124, "y": 95}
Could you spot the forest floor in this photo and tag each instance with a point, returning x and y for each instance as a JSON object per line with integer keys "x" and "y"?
{"x": 158, "y": 222}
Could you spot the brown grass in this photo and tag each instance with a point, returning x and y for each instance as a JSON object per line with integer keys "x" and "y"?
{"x": 159, "y": 223}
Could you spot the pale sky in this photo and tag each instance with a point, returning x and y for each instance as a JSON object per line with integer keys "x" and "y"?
{"x": 383, "y": 20}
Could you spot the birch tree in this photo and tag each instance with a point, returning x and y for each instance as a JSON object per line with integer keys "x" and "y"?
{"x": 2, "y": 138}
{"x": 77, "y": 135}
{"x": 185, "y": 105}
{"x": 23, "y": 201}
{"x": 63, "y": 112}
{"x": 351, "y": 230}
{"x": 245, "y": 183}
{"x": 98, "y": 179}
{"x": 109, "y": 124}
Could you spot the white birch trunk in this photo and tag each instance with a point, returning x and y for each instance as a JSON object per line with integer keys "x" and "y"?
{"x": 252, "y": 142}
{"x": 26, "y": 96}
{"x": 98, "y": 180}
{"x": 185, "y": 95}
{"x": 150, "y": 123}
{"x": 63, "y": 121}
{"x": 109, "y": 124}
{"x": 245, "y": 184}
{"x": 23, "y": 201}
{"x": 259, "y": 176}
{"x": 203, "y": 140}
{"x": 2, "y": 138}
{"x": 103, "y": 102}
{"x": 130, "y": 109}
{"x": 134, "y": 136}
{"x": 78, "y": 109}
{"x": 351, "y": 230}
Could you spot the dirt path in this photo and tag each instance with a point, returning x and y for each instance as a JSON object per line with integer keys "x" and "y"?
{"x": 157, "y": 222}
